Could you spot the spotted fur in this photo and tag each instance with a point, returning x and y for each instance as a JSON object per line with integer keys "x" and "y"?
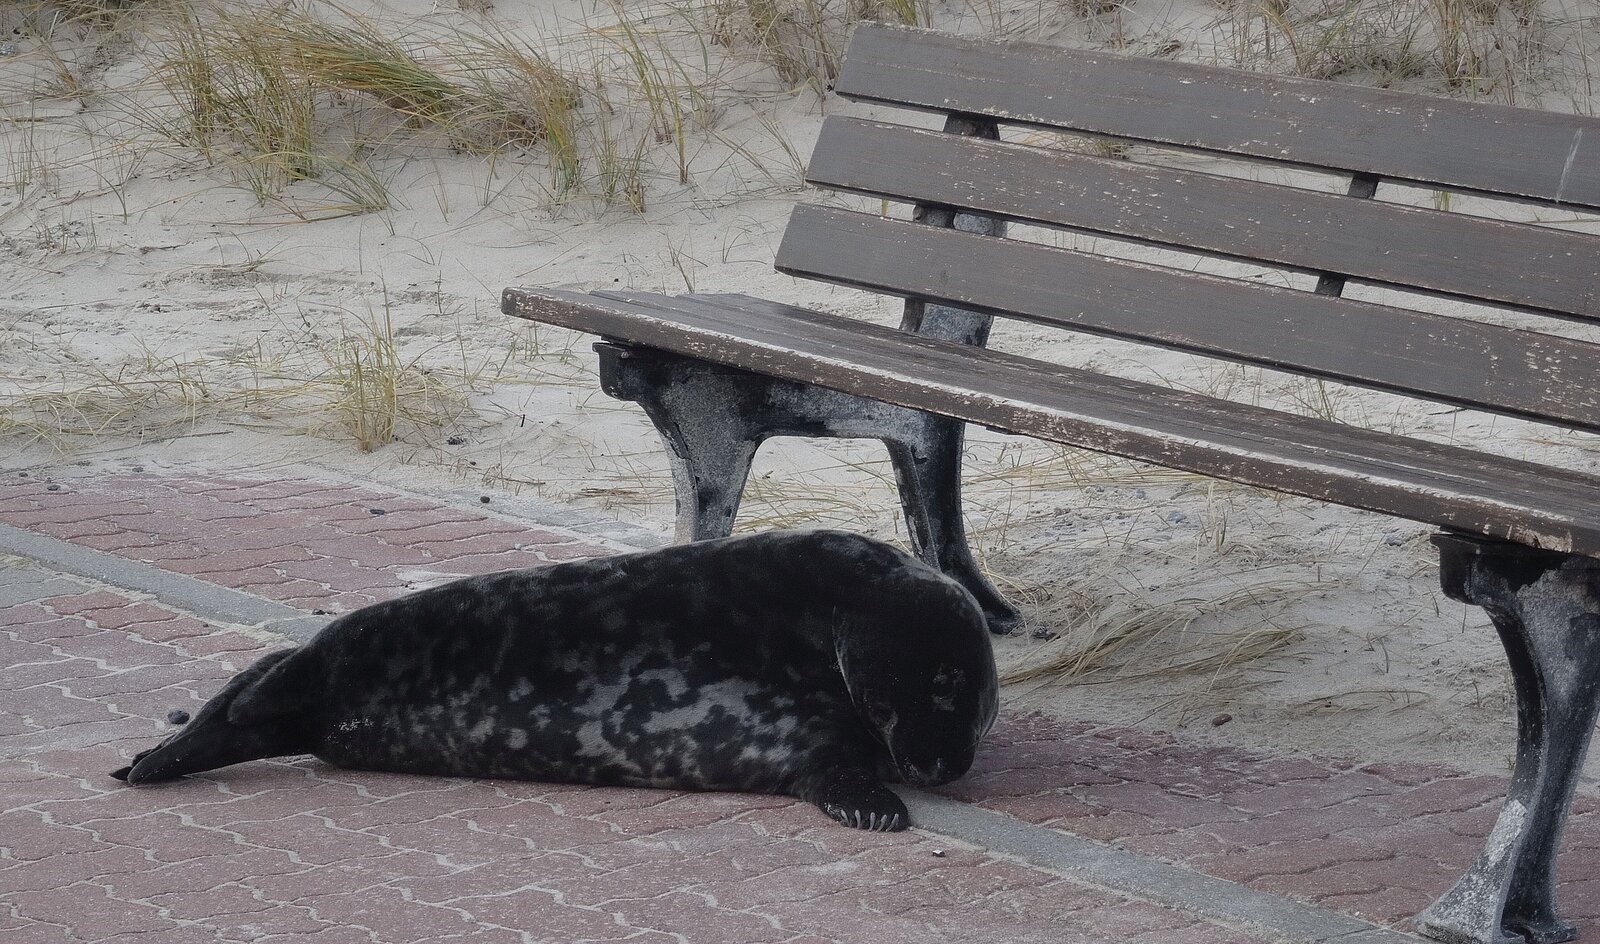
{"x": 816, "y": 664}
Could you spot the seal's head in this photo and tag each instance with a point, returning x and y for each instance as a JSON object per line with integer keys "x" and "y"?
{"x": 927, "y": 689}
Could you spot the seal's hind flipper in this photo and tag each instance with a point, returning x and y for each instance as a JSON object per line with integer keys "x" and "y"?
{"x": 121, "y": 773}
{"x": 284, "y": 690}
{"x": 856, "y": 799}
{"x": 213, "y": 739}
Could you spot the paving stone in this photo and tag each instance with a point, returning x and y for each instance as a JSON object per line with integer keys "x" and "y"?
{"x": 89, "y": 910}
{"x": 60, "y": 868}
{"x": 245, "y": 867}
{"x": 680, "y": 912}
{"x": 36, "y": 931}
{"x": 24, "y": 614}
{"x": 1294, "y": 857}
{"x": 177, "y": 934}
{"x": 169, "y": 630}
{"x": 393, "y": 919}
{"x": 294, "y": 850}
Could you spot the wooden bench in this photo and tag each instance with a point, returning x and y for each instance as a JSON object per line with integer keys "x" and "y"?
{"x": 718, "y": 374}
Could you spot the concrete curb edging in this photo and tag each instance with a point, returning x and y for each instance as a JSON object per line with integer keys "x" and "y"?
{"x": 1151, "y": 880}
{"x": 207, "y": 601}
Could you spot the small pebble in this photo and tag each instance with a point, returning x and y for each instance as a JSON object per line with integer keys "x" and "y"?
{"x": 1138, "y": 493}
{"x": 1221, "y": 720}
{"x": 1177, "y": 517}
{"x": 138, "y": 468}
{"x": 8, "y": 49}
{"x": 1045, "y": 634}
{"x": 177, "y": 716}
{"x": 319, "y": 612}
{"x": 484, "y": 499}
{"x": 376, "y": 511}
{"x": 22, "y": 475}
{"x": 938, "y": 853}
{"x": 52, "y": 488}
{"x": 456, "y": 441}
{"x": 1393, "y": 540}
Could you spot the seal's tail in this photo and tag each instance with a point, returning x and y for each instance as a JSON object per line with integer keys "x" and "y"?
{"x": 245, "y": 721}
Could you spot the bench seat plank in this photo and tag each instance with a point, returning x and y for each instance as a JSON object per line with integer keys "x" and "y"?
{"x": 1513, "y": 264}
{"x": 1470, "y": 146}
{"x": 1439, "y": 485}
{"x": 1453, "y": 360}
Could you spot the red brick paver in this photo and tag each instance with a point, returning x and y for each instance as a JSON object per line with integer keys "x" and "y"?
{"x": 309, "y": 544}
{"x": 282, "y": 851}
{"x": 1380, "y": 840}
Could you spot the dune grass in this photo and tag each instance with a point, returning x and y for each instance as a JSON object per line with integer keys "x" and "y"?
{"x": 347, "y": 377}
{"x": 280, "y": 95}
{"x": 803, "y": 40}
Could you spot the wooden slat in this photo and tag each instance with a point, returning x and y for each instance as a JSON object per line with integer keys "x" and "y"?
{"x": 1422, "y": 139}
{"x": 1521, "y": 373}
{"x": 1439, "y": 485}
{"x": 1362, "y": 187}
{"x": 1449, "y": 254}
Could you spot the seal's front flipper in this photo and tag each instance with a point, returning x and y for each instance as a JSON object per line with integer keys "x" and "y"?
{"x": 214, "y": 739}
{"x": 856, "y": 799}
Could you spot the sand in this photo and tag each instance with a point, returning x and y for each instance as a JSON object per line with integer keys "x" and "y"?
{"x": 144, "y": 293}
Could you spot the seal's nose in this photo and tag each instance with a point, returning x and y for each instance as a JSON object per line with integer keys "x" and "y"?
{"x": 940, "y": 771}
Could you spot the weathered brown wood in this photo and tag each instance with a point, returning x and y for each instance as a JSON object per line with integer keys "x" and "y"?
{"x": 1398, "y": 136}
{"x": 1440, "y": 485}
{"x": 1453, "y": 360}
{"x": 1362, "y": 187}
{"x": 1514, "y": 264}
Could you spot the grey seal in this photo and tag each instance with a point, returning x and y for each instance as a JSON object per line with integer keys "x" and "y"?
{"x": 817, "y": 664}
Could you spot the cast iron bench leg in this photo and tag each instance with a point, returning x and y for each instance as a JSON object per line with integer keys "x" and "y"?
{"x": 713, "y": 419}
{"x": 709, "y": 418}
{"x": 928, "y": 470}
{"x": 1546, "y": 607}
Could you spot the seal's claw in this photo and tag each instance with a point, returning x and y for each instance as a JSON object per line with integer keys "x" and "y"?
{"x": 858, "y": 800}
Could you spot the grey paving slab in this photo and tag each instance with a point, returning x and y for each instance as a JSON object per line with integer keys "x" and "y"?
{"x": 189, "y": 594}
{"x": 1145, "y": 878}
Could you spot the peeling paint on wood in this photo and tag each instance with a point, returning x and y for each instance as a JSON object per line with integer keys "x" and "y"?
{"x": 1442, "y": 485}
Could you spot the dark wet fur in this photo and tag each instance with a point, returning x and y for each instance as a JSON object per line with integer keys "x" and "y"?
{"x": 813, "y": 664}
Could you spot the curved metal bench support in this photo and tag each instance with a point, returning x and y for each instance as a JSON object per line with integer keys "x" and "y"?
{"x": 1546, "y": 607}
{"x": 713, "y": 419}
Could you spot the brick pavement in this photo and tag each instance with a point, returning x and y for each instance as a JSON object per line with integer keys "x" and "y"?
{"x": 283, "y": 850}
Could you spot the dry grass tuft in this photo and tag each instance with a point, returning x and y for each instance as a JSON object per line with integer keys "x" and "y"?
{"x": 371, "y": 388}
{"x": 284, "y": 96}
{"x": 1126, "y": 636}
{"x": 351, "y": 377}
{"x": 1471, "y": 47}
{"x": 803, "y": 40}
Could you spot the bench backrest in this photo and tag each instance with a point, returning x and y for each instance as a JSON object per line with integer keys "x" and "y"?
{"x": 1372, "y": 135}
